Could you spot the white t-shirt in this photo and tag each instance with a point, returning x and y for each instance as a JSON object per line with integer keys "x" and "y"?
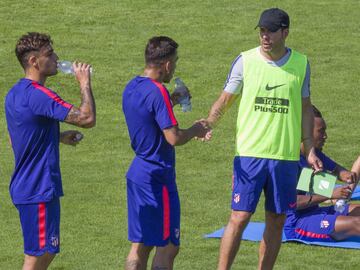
{"x": 234, "y": 81}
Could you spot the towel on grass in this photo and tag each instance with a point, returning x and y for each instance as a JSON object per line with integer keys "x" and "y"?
{"x": 254, "y": 232}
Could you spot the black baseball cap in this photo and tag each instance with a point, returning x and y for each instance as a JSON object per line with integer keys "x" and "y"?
{"x": 273, "y": 19}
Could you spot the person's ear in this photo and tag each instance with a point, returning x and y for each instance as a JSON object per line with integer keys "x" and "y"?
{"x": 167, "y": 66}
{"x": 286, "y": 32}
{"x": 32, "y": 61}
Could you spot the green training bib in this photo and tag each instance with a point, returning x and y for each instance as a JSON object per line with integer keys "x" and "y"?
{"x": 269, "y": 117}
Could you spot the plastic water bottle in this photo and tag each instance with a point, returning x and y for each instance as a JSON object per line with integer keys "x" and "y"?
{"x": 340, "y": 205}
{"x": 184, "y": 99}
{"x": 78, "y": 137}
{"x": 66, "y": 67}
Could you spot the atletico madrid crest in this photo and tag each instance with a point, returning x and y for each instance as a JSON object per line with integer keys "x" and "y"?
{"x": 54, "y": 241}
{"x": 236, "y": 197}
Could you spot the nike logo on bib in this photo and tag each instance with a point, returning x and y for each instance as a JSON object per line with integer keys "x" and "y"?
{"x": 268, "y": 88}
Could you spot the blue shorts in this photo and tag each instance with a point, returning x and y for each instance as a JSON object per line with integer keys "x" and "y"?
{"x": 278, "y": 179}
{"x": 40, "y": 223}
{"x": 153, "y": 214}
{"x": 315, "y": 225}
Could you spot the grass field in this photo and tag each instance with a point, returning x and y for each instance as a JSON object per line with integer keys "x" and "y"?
{"x": 111, "y": 35}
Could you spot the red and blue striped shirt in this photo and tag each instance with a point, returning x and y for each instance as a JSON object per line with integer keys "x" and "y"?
{"x": 33, "y": 113}
{"x": 148, "y": 111}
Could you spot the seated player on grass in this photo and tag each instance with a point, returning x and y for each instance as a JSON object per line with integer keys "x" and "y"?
{"x": 312, "y": 222}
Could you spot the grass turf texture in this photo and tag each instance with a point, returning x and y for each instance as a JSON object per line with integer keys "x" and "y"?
{"x": 111, "y": 35}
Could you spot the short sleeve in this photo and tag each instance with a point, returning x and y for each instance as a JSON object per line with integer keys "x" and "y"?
{"x": 162, "y": 106}
{"x": 235, "y": 78}
{"x": 45, "y": 102}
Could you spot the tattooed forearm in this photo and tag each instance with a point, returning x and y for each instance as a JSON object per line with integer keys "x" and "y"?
{"x": 84, "y": 116}
{"x": 73, "y": 116}
{"x": 216, "y": 112}
{"x": 160, "y": 268}
{"x": 87, "y": 99}
{"x": 220, "y": 107}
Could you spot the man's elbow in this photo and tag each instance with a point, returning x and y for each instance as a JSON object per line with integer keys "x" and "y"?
{"x": 174, "y": 136}
{"x": 172, "y": 141}
{"x": 175, "y": 141}
{"x": 88, "y": 122}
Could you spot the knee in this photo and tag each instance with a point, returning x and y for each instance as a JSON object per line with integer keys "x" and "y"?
{"x": 175, "y": 252}
{"x": 139, "y": 251}
{"x": 42, "y": 262}
{"x": 239, "y": 218}
{"x": 30, "y": 261}
{"x": 168, "y": 253}
{"x": 356, "y": 224}
{"x": 49, "y": 258}
{"x": 357, "y": 164}
{"x": 172, "y": 252}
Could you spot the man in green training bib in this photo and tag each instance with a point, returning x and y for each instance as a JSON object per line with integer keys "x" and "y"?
{"x": 274, "y": 117}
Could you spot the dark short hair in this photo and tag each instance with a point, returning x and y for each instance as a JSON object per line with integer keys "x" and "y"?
{"x": 30, "y": 42}
{"x": 317, "y": 113}
{"x": 159, "y": 49}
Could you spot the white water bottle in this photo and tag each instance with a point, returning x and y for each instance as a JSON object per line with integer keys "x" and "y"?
{"x": 66, "y": 67}
{"x": 184, "y": 99}
{"x": 340, "y": 205}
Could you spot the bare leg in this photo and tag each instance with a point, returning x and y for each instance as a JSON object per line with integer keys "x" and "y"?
{"x": 164, "y": 257}
{"x": 37, "y": 262}
{"x": 346, "y": 226}
{"x": 356, "y": 169}
{"x": 231, "y": 239}
{"x": 271, "y": 242}
{"x": 138, "y": 257}
{"x": 354, "y": 210}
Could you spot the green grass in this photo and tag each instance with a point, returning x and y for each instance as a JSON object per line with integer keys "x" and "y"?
{"x": 111, "y": 35}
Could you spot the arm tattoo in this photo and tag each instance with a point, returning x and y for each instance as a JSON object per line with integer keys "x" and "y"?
{"x": 160, "y": 268}
{"x": 87, "y": 108}
{"x": 216, "y": 112}
{"x": 87, "y": 98}
{"x": 220, "y": 107}
{"x": 73, "y": 116}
